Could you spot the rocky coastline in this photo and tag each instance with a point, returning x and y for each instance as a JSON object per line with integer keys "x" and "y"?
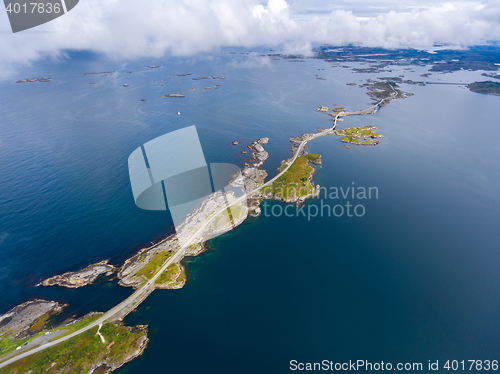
{"x": 254, "y": 176}
{"x": 138, "y": 269}
{"x": 76, "y": 279}
{"x": 20, "y": 321}
{"x": 27, "y": 326}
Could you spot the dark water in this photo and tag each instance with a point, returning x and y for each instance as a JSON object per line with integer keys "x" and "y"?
{"x": 415, "y": 279}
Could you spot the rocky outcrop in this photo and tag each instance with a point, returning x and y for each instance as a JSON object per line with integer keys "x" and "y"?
{"x": 173, "y": 95}
{"x": 31, "y": 80}
{"x": 259, "y": 153}
{"x": 253, "y": 176}
{"x": 76, "y": 279}
{"x": 176, "y": 277}
{"x": 17, "y": 321}
{"x": 128, "y": 272}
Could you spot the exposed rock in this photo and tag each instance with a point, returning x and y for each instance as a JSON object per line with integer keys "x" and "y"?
{"x": 175, "y": 281}
{"x": 19, "y": 319}
{"x": 322, "y": 109}
{"x": 259, "y": 153}
{"x": 253, "y": 176}
{"x": 235, "y": 142}
{"x": 173, "y": 95}
{"x": 128, "y": 272}
{"x": 31, "y": 80}
{"x": 76, "y": 279}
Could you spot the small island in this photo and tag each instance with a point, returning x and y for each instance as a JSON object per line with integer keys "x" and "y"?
{"x": 31, "y": 80}
{"x": 360, "y": 135}
{"x": 173, "y": 95}
{"x": 487, "y": 88}
{"x": 102, "y": 72}
{"x": 76, "y": 279}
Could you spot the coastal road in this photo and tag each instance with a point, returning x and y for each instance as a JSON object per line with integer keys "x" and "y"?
{"x": 133, "y": 301}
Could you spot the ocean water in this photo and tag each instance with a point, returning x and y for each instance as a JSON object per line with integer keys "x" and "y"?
{"x": 414, "y": 279}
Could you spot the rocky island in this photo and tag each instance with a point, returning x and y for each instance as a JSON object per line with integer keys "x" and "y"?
{"x": 31, "y": 80}
{"x": 75, "y": 279}
{"x": 173, "y": 95}
{"x": 138, "y": 269}
{"x": 360, "y": 135}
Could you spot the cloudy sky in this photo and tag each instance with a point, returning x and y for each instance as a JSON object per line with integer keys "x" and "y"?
{"x": 125, "y": 29}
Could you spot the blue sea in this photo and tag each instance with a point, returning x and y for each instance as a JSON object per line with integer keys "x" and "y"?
{"x": 416, "y": 278}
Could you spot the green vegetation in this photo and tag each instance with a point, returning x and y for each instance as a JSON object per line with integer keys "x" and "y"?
{"x": 363, "y": 132}
{"x": 77, "y": 355}
{"x": 350, "y": 139}
{"x": 168, "y": 276}
{"x": 154, "y": 265}
{"x": 322, "y": 109}
{"x": 294, "y": 182}
{"x": 236, "y": 210}
{"x": 173, "y": 95}
{"x": 488, "y": 87}
{"x": 77, "y": 325}
{"x": 8, "y": 345}
{"x": 313, "y": 158}
{"x": 40, "y": 323}
{"x": 339, "y": 108}
{"x": 359, "y": 135}
{"x": 381, "y": 90}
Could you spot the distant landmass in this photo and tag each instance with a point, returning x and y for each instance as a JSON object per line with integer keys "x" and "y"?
{"x": 487, "y": 87}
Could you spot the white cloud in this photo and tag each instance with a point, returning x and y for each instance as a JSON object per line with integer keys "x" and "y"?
{"x": 130, "y": 28}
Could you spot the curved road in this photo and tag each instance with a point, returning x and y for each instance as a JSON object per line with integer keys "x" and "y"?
{"x": 140, "y": 294}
